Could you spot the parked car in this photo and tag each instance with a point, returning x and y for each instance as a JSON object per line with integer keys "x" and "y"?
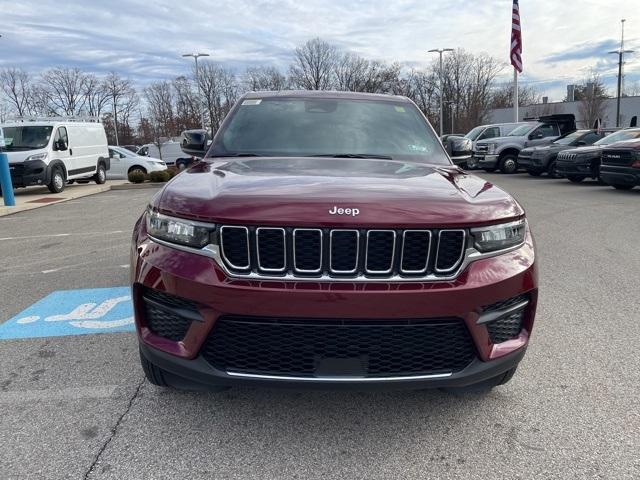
{"x": 46, "y": 152}
{"x": 485, "y": 132}
{"x": 327, "y": 239}
{"x": 502, "y": 152}
{"x": 123, "y": 162}
{"x": 169, "y": 152}
{"x": 584, "y": 162}
{"x": 132, "y": 148}
{"x": 538, "y": 160}
{"x": 458, "y": 148}
{"x": 621, "y": 165}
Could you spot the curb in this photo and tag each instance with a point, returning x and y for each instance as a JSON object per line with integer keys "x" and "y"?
{"x": 6, "y": 211}
{"x": 136, "y": 186}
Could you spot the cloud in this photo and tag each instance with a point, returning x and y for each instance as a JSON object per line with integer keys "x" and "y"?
{"x": 584, "y": 51}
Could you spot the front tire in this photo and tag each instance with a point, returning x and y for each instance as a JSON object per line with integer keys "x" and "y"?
{"x": 101, "y": 175}
{"x": 534, "y": 173}
{"x": 509, "y": 164}
{"x": 57, "y": 182}
{"x": 622, "y": 186}
{"x": 553, "y": 170}
{"x": 575, "y": 178}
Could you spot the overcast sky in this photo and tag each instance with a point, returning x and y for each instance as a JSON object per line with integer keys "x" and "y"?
{"x": 144, "y": 39}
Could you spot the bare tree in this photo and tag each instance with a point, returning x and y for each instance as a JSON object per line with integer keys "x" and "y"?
{"x": 219, "y": 89}
{"x": 632, "y": 90}
{"x": 592, "y": 96}
{"x": 422, "y": 88}
{"x": 120, "y": 92}
{"x": 187, "y": 104}
{"x": 65, "y": 90}
{"x": 160, "y": 101}
{"x": 502, "y": 96}
{"x": 17, "y": 86}
{"x": 265, "y": 79}
{"x": 313, "y": 65}
{"x": 96, "y": 94}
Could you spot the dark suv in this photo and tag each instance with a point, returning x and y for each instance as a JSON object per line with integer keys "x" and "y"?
{"x": 621, "y": 165}
{"x": 583, "y": 162}
{"x": 327, "y": 239}
{"x": 537, "y": 160}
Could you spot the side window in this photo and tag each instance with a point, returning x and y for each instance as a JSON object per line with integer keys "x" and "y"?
{"x": 144, "y": 151}
{"x": 61, "y": 135}
{"x": 490, "y": 133}
{"x": 547, "y": 130}
{"x": 590, "y": 138}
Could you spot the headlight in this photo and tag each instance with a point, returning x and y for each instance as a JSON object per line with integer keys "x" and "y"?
{"x": 491, "y": 148}
{"x": 178, "y": 230}
{"x": 499, "y": 237}
{"x": 38, "y": 156}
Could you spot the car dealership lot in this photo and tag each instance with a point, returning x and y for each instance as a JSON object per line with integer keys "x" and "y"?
{"x": 77, "y": 406}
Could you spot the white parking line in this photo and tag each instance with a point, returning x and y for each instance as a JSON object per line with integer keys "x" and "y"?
{"x": 52, "y": 235}
{"x": 49, "y": 395}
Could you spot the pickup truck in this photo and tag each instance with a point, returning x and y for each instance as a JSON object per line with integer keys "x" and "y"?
{"x": 502, "y": 152}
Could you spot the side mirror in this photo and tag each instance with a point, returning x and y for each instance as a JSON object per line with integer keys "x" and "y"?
{"x": 194, "y": 142}
{"x": 582, "y": 143}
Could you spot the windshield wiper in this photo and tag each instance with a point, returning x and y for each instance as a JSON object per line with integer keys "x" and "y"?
{"x": 238, "y": 154}
{"x": 353, "y": 155}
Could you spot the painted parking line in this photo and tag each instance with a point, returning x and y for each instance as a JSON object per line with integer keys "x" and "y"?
{"x": 73, "y": 312}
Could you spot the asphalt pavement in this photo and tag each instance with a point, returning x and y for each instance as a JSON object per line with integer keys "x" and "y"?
{"x": 78, "y": 407}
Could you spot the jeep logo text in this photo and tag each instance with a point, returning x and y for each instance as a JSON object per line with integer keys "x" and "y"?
{"x": 344, "y": 211}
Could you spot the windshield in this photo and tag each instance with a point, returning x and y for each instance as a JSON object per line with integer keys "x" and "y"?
{"x": 520, "y": 131}
{"x": 619, "y": 137}
{"x": 328, "y": 127}
{"x": 475, "y": 133}
{"x": 27, "y": 137}
{"x": 569, "y": 138}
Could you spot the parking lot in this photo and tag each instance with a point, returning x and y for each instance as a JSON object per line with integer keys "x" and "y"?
{"x": 77, "y": 406}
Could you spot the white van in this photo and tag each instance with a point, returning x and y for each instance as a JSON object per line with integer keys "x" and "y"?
{"x": 53, "y": 152}
{"x": 169, "y": 152}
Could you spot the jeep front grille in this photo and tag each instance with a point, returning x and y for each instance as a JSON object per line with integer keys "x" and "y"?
{"x": 341, "y": 253}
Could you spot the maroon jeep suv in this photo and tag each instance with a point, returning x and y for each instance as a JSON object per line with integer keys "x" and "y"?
{"x": 327, "y": 239}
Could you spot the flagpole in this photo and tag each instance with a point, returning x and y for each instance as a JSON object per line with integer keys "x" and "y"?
{"x": 516, "y": 100}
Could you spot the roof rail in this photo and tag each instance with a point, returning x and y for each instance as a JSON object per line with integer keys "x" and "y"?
{"x": 36, "y": 118}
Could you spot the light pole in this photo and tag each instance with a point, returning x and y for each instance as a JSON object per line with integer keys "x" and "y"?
{"x": 451, "y": 105}
{"x": 620, "y": 54}
{"x": 195, "y": 57}
{"x": 440, "y": 51}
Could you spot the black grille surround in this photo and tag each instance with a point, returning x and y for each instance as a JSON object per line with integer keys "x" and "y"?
{"x": 167, "y": 315}
{"x": 302, "y": 252}
{"x": 332, "y": 347}
{"x": 507, "y": 326}
{"x": 618, "y": 158}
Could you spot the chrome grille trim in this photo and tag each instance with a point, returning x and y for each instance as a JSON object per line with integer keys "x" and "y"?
{"x": 426, "y": 264}
{"x": 295, "y": 264}
{"x": 246, "y": 232}
{"x": 344, "y": 272}
{"x": 460, "y": 255}
{"x": 284, "y": 247}
{"x": 393, "y": 254}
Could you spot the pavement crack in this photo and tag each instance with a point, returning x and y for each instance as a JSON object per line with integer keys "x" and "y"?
{"x": 114, "y": 430}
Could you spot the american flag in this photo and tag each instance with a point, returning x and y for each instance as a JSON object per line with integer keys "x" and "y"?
{"x": 516, "y": 38}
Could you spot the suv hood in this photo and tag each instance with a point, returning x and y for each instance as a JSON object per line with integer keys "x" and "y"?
{"x": 591, "y": 149}
{"x": 302, "y": 191}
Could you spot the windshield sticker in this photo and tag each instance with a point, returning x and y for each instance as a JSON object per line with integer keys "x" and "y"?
{"x": 252, "y": 101}
{"x": 418, "y": 148}
{"x": 400, "y": 109}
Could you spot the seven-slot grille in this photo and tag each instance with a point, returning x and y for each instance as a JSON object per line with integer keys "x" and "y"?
{"x": 350, "y": 253}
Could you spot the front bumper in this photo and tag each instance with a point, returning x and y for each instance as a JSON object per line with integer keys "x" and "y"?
{"x": 201, "y": 280}
{"x": 620, "y": 175}
{"x": 532, "y": 163}
{"x": 586, "y": 167}
{"x": 26, "y": 174}
{"x": 485, "y": 160}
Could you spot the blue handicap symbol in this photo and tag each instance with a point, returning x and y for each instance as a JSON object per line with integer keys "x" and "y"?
{"x": 74, "y": 312}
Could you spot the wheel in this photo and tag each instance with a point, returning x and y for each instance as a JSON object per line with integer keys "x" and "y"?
{"x": 621, "y": 186}
{"x": 57, "y": 182}
{"x": 575, "y": 178}
{"x": 101, "y": 175}
{"x": 509, "y": 164}
{"x": 485, "y": 386}
{"x": 534, "y": 173}
{"x": 490, "y": 170}
{"x": 552, "y": 171}
{"x": 181, "y": 165}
